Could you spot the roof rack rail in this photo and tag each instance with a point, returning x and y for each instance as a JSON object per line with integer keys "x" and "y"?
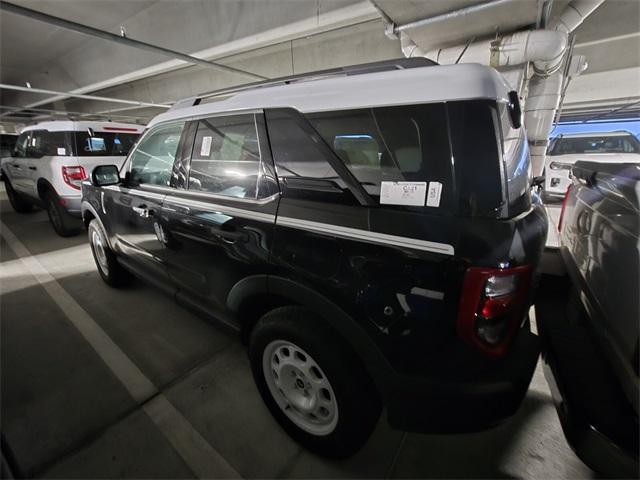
{"x": 382, "y": 66}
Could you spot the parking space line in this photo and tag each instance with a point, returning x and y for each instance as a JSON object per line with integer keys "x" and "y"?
{"x": 194, "y": 449}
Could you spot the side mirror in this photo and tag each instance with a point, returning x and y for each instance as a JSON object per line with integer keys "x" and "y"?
{"x": 515, "y": 110}
{"x": 104, "y": 175}
{"x": 538, "y": 181}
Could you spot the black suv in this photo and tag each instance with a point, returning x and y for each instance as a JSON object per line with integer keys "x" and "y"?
{"x": 369, "y": 233}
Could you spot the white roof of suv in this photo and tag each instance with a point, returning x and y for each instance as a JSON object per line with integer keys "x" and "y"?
{"x": 397, "y": 87}
{"x": 73, "y": 126}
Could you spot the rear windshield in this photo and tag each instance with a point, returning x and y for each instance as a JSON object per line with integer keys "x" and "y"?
{"x": 595, "y": 145}
{"x": 103, "y": 144}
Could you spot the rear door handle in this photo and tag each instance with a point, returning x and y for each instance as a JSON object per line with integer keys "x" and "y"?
{"x": 143, "y": 211}
{"x": 33, "y": 168}
{"x": 232, "y": 237}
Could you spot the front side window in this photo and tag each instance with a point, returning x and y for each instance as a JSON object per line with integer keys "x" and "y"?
{"x": 22, "y": 143}
{"x": 226, "y": 157}
{"x": 103, "y": 144}
{"x": 152, "y": 160}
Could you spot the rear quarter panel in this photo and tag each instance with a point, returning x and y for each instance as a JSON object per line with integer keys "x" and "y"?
{"x": 600, "y": 241}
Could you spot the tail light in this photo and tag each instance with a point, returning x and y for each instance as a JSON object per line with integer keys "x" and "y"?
{"x": 492, "y": 306}
{"x": 73, "y": 176}
{"x": 564, "y": 205}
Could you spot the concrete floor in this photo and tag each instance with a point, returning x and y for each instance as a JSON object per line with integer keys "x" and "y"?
{"x": 70, "y": 410}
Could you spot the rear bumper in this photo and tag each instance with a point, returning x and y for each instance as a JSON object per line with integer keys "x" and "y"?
{"x": 450, "y": 406}
{"x": 72, "y": 204}
{"x": 598, "y": 421}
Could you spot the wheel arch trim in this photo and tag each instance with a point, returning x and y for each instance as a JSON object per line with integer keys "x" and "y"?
{"x": 85, "y": 206}
{"x": 379, "y": 369}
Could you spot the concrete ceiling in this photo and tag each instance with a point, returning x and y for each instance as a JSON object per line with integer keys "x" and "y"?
{"x": 53, "y": 58}
{"x": 609, "y": 39}
{"x": 273, "y": 38}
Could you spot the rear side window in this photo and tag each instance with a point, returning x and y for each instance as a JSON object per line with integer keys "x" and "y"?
{"x": 302, "y": 166}
{"x": 474, "y": 141}
{"x": 226, "y": 157}
{"x": 57, "y": 144}
{"x": 392, "y": 144}
{"x": 152, "y": 160}
{"x": 103, "y": 144}
{"x": 515, "y": 151}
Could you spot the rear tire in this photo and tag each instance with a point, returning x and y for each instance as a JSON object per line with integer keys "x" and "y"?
{"x": 312, "y": 382}
{"x": 109, "y": 269}
{"x": 63, "y": 223}
{"x": 17, "y": 202}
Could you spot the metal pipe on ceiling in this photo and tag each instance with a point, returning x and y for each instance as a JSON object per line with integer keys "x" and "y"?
{"x": 130, "y": 42}
{"x": 4, "y": 86}
{"x": 454, "y": 14}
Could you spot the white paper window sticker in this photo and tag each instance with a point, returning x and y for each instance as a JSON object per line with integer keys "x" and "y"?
{"x": 62, "y": 151}
{"x": 403, "y": 193}
{"x": 205, "y": 148}
{"x": 434, "y": 194}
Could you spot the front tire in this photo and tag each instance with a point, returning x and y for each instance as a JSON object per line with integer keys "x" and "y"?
{"x": 109, "y": 269}
{"x": 312, "y": 382}
{"x": 63, "y": 223}
{"x": 17, "y": 202}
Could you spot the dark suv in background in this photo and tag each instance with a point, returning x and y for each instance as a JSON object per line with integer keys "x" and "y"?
{"x": 369, "y": 233}
{"x": 589, "y": 319}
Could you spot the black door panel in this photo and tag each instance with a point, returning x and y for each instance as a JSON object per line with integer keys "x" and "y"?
{"x": 214, "y": 245}
{"x": 138, "y": 226}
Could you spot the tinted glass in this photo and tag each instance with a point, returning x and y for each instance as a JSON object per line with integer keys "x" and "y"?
{"x": 21, "y": 145}
{"x": 474, "y": 140}
{"x": 588, "y": 145}
{"x": 226, "y": 157}
{"x": 517, "y": 163}
{"x": 296, "y": 154}
{"x": 56, "y": 143}
{"x": 407, "y": 143}
{"x": 152, "y": 160}
{"x": 302, "y": 167}
{"x": 103, "y": 144}
{"x": 36, "y": 144}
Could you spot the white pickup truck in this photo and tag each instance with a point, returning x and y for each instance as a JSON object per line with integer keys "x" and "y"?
{"x": 50, "y": 160}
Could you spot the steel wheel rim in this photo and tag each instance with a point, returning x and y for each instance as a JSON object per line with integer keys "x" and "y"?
{"x": 101, "y": 254}
{"x": 300, "y": 387}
